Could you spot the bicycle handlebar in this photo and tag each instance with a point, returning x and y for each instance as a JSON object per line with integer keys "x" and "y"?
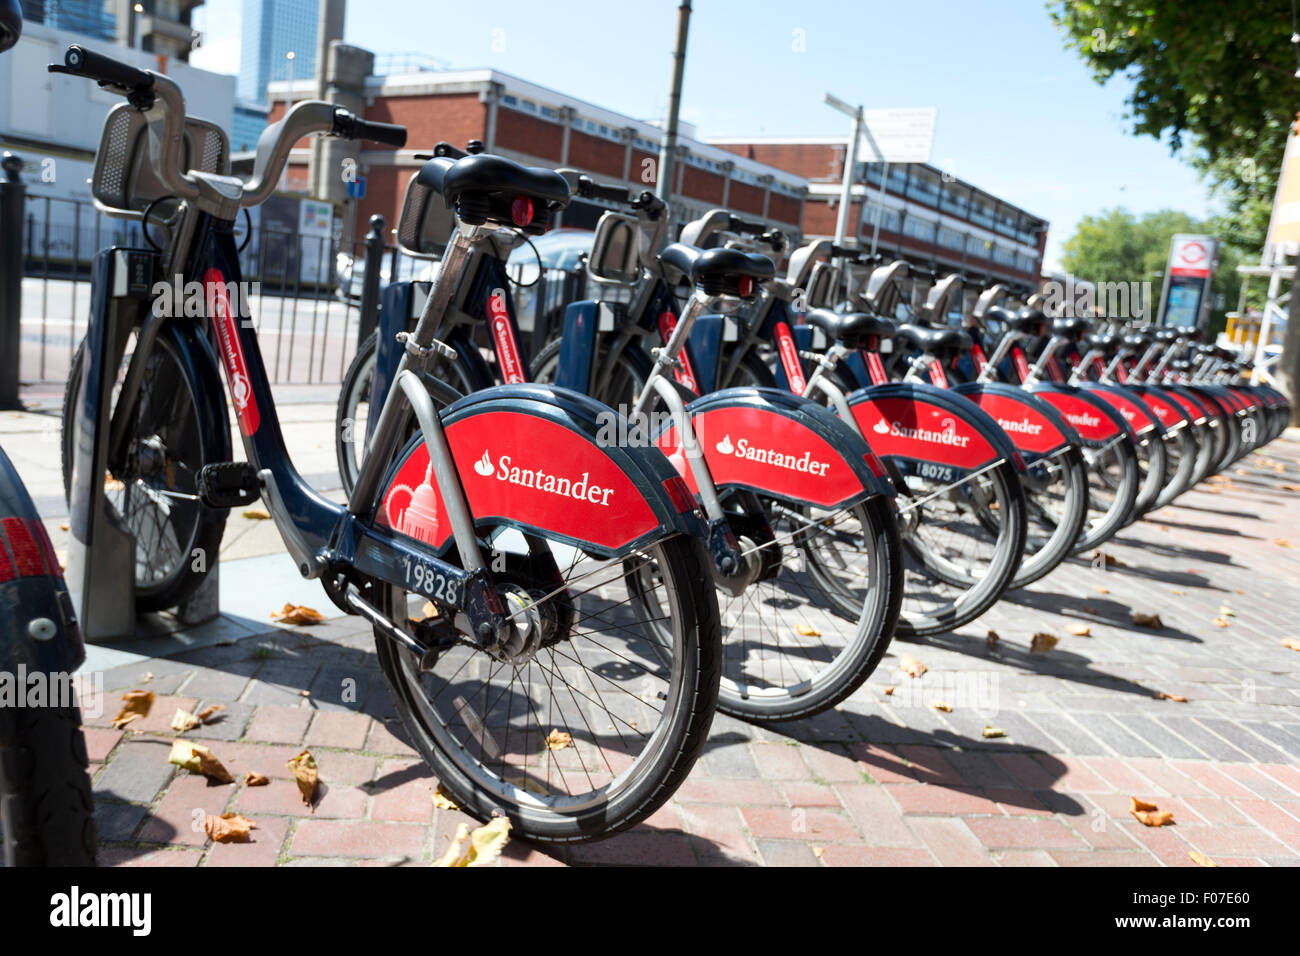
{"x": 350, "y": 126}
{"x": 588, "y": 188}
{"x": 78, "y": 61}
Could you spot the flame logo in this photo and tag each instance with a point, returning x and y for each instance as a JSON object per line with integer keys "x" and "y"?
{"x": 881, "y": 427}
{"x": 484, "y": 465}
{"x": 725, "y": 447}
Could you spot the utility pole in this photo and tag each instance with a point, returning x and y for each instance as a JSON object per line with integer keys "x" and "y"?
{"x": 329, "y": 27}
{"x": 668, "y": 151}
{"x": 850, "y": 168}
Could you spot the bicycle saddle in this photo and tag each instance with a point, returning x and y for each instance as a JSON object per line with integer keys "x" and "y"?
{"x": 1166, "y": 336}
{"x": 1029, "y": 322}
{"x": 854, "y": 330}
{"x": 719, "y": 271}
{"x": 1072, "y": 330}
{"x": 1136, "y": 340}
{"x": 1101, "y": 342}
{"x": 934, "y": 341}
{"x": 483, "y": 188}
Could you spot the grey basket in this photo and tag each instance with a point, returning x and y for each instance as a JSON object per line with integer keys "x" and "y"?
{"x": 124, "y": 183}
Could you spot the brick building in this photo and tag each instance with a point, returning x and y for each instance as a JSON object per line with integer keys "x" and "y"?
{"x": 932, "y": 219}
{"x": 539, "y": 126}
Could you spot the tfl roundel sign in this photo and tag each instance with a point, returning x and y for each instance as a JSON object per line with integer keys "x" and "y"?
{"x": 1191, "y": 256}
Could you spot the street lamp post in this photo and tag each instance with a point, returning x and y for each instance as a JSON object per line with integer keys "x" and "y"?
{"x": 850, "y": 164}
{"x": 289, "y": 95}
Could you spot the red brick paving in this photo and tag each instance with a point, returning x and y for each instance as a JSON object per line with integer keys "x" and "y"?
{"x": 860, "y": 797}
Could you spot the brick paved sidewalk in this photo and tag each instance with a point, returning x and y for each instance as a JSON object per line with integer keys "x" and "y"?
{"x": 887, "y": 779}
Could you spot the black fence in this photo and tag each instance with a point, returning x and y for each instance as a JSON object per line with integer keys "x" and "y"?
{"x": 307, "y": 292}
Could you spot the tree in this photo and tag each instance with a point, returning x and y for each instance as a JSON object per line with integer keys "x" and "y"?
{"x": 1217, "y": 80}
{"x": 1115, "y": 246}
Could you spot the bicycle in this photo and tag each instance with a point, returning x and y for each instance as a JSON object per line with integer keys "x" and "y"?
{"x": 496, "y": 582}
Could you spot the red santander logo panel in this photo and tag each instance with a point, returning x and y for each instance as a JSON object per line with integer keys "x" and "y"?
{"x": 920, "y": 430}
{"x": 1028, "y": 429}
{"x": 1088, "y": 420}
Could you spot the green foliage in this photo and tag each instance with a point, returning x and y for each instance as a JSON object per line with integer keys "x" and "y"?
{"x": 1214, "y": 78}
{"x": 1116, "y": 246}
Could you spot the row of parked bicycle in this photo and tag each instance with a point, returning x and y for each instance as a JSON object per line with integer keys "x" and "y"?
{"x": 697, "y": 495}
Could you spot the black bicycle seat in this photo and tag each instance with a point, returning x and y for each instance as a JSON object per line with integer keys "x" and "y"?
{"x": 852, "y": 329}
{"x": 1027, "y": 321}
{"x": 1166, "y": 336}
{"x": 1072, "y": 330}
{"x": 719, "y": 271}
{"x": 1137, "y": 340}
{"x": 934, "y": 341}
{"x": 1101, "y": 343}
{"x": 483, "y": 188}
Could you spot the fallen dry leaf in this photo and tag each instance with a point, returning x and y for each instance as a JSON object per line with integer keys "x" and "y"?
{"x": 253, "y": 779}
{"x": 196, "y": 758}
{"x": 1221, "y": 622}
{"x": 485, "y": 844}
{"x": 991, "y": 639}
{"x": 1200, "y": 859}
{"x": 1154, "y": 818}
{"x": 1291, "y": 642}
{"x": 818, "y": 851}
{"x": 136, "y": 704}
{"x": 1142, "y": 619}
{"x": 1136, "y": 805}
{"x": 1290, "y": 487}
{"x": 1179, "y": 591}
{"x": 229, "y": 828}
{"x": 1079, "y": 630}
{"x": 304, "y": 772}
{"x": 807, "y": 630}
{"x": 257, "y": 514}
{"x": 890, "y": 690}
{"x": 1101, "y": 589}
{"x": 207, "y": 712}
{"x": 1042, "y": 642}
{"x": 1225, "y": 611}
{"x": 183, "y": 720}
{"x": 1176, "y": 698}
{"x": 911, "y": 666}
{"x": 991, "y": 732}
{"x": 63, "y": 525}
{"x": 1283, "y": 543}
{"x": 558, "y": 739}
{"x": 942, "y": 705}
{"x": 148, "y": 677}
{"x": 297, "y": 614}
{"x": 1102, "y": 559}
{"x": 443, "y": 801}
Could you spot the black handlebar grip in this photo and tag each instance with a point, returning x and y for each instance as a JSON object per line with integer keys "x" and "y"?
{"x": 590, "y": 189}
{"x": 350, "y": 126}
{"x": 843, "y": 252}
{"x": 96, "y": 66}
{"x": 745, "y": 227}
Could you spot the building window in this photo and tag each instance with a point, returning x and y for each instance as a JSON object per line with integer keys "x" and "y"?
{"x": 924, "y": 187}
{"x": 549, "y": 112}
{"x": 976, "y": 246}
{"x": 951, "y": 238}
{"x": 956, "y": 200}
{"x": 511, "y": 101}
{"x": 981, "y": 212}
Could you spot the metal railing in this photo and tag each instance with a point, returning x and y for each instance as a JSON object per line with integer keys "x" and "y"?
{"x": 308, "y": 294}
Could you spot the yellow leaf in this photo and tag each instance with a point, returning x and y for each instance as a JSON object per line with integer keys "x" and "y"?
{"x": 818, "y": 851}
{"x": 1225, "y": 611}
{"x": 992, "y": 732}
{"x": 443, "y": 801}
{"x": 1177, "y": 591}
{"x": 257, "y": 514}
{"x": 229, "y": 828}
{"x": 196, "y": 758}
{"x": 889, "y": 691}
{"x": 1291, "y": 642}
{"x": 207, "y": 712}
{"x": 297, "y": 614}
{"x": 184, "y": 720}
{"x": 558, "y": 740}
{"x": 1042, "y": 642}
{"x": 807, "y": 630}
{"x": 1154, "y": 818}
{"x": 1079, "y": 630}
{"x": 1142, "y": 619}
{"x": 1221, "y": 622}
{"x": 1176, "y": 698}
{"x": 1136, "y": 805}
{"x": 1200, "y": 859}
{"x": 485, "y": 844}
{"x": 1101, "y": 589}
{"x": 136, "y": 704}
{"x": 1283, "y": 543}
{"x": 304, "y": 772}
{"x": 253, "y": 779}
{"x": 942, "y": 705}
{"x": 911, "y": 667}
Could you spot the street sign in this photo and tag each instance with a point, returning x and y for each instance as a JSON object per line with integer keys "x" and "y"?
{"x": 357, "y": 188}
{"x": 897, "y": 135}
{"x": 1185, "y": 300}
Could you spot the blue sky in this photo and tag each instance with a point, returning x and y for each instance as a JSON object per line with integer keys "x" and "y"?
{"x": 1019, "y": 115}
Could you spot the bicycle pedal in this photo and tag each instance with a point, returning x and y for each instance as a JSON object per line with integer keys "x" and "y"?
{"x": 229, "y": 484}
